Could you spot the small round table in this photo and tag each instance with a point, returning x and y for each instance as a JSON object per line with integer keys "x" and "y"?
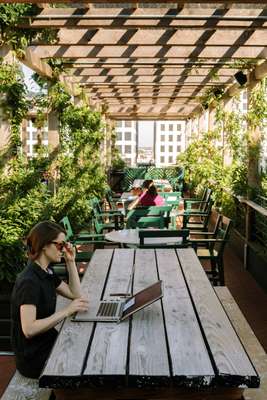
{"x": 130, "y": 237}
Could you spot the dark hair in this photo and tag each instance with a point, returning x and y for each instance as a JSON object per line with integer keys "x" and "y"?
{"x": 152, "y": 190}
{"x": 40, "y": 235}
{"x": 147, "y": 183}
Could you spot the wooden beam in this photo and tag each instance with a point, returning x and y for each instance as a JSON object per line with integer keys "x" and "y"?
{"x": 174, "y": 37}
{"x": 136, "y": 2}
{"x": 173, "y": 51}
{"x": 36, "y": 64}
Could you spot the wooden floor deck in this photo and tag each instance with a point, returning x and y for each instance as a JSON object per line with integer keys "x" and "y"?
{"x": 251, "y": 299}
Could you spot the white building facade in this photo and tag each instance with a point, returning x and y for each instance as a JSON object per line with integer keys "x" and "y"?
{"x": 169, "y": 141}
{"x": 126, "y": 142}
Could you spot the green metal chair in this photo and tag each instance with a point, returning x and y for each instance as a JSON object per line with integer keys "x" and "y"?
{"x": 182, "y": 234}
{"x": 214, "y": 251}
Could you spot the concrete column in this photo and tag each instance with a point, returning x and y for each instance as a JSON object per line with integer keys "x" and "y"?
{"x": 53, "y": 131}
{"x": 5, "y": 130}
{"x": 254, "y": 144}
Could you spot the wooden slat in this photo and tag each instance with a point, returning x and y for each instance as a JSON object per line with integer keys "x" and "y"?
{"x": 232, "y": 362}
{"x": 108, "y": 353}
{"x": 67, "y": 356}
{"x": 234, "y": 51}
{"x": 148, "y": 364}
{"x": 191, "y": 364}
{"x": 249, "y": 340}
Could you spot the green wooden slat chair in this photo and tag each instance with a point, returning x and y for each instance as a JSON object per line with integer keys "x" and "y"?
{"x": 214, "y": 251}
{"x": 134, "y": 215}
{"x": 197, "y": 220}
{"x": 116, "y": 218}
{"x": 207, "y": 234}
{"x": 151, "y": 222}
{"x": 182, "y": 234}
{"x": 195, "y": 205}
{"x": 81, "y": 239}
{"x": 165, "y": 210}
{"x": 171, "y": 198}
{"x": 77, "y": 238}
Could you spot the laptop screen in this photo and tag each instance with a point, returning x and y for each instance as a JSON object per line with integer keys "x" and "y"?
{"x": 142, "y": 299}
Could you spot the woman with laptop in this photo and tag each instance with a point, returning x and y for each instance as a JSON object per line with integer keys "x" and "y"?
{"x": 33, "y": 302}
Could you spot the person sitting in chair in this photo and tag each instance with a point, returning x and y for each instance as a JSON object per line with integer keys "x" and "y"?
{"x": 149, "y": 197}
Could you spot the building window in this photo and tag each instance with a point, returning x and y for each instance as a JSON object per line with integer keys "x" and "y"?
{"x": 171, "y": 127}
{"x": 128, "y": 124}
{"x": 128, "y": 160}
{"x": 162, "y": 127}
{"x": 170, "y": 159}
{"x": 34, "y": 135}
{"x": 162, "y": 138}
{"x": 178, "y": 149}
{"x": 119, "y": 124}
{"x": 128, "y": 136}
{"x": 179, "y": 138}
{"x": 170, "y": 138}
{"x": 170, "y": 149}
{"x": 162, "y": 159}
{"x": 162, "y": 149}
{"x": 119, "y": 136}
{"x": 179, "y": 127}
{"x": 119, "y": 148}
{"x": 128, "y": 149}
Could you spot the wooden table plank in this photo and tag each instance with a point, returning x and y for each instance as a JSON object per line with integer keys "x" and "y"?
{"x": 232, "y": 363}
{"x": 108, "y": 352}
{"x": 67, "y": 357}
{"x": 191, "y": 363}
{"x": 148, "y": 363}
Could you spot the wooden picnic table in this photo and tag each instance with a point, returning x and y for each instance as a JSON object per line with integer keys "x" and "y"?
{"x": 181, "y": 347}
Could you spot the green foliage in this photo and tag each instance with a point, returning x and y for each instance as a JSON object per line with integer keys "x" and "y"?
{"x": 19, "y": 38}
{"x": 203, "y": 162}
{"x": 74, "y": 171}
{"x": 14, "y": 102}
{"x": 212, "y": 94}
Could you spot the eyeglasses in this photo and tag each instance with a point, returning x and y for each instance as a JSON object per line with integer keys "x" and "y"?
{"x": 59, "y": 246}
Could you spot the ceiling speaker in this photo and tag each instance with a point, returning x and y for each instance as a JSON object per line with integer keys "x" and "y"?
{"x": 241, "y": 78}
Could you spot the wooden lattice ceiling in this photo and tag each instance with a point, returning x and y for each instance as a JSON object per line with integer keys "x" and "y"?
{"x": 147, "y": 62}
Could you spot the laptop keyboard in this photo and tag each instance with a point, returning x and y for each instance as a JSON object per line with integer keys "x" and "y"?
{"x": 107, "y": 309}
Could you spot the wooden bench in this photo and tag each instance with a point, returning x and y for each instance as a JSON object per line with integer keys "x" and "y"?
{"x": 22, "y": 388}
{"x": 249, "y": 341}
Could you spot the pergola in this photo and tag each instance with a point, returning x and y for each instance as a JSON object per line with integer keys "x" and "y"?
{"x": 152, "y": 60}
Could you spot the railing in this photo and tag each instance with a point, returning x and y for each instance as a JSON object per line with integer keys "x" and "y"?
{"x": 251, "y": 223}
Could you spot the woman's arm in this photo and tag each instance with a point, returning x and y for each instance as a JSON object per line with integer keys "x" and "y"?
{"x": 32, "y": 326}
{"x": 133, "y": 204}
{"x": 72, "y": 290}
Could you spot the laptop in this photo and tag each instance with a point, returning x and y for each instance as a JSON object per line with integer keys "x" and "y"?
{"x": 117, "y": 310}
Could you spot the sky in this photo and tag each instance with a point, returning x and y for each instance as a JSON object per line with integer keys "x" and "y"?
{"x": 31, "y": 84}
{"x": 146, "y": 133}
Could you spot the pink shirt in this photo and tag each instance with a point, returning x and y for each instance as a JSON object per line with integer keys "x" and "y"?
{"x": 147, "y": 199}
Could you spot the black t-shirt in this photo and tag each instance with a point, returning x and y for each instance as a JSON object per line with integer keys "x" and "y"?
{"x": 37, "y": 287}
